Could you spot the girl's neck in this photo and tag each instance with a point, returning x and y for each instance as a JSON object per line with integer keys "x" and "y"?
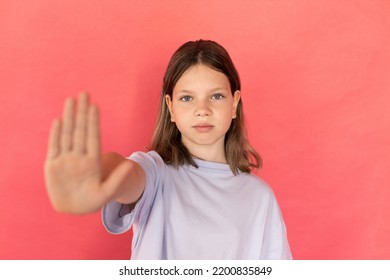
{"x": 207, "y": 154}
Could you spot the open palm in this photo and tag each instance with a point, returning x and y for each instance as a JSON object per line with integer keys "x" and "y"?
{"x": 73, "y": 172}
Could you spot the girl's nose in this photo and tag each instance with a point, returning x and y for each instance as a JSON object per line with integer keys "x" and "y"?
{"x": 202, "y": 109}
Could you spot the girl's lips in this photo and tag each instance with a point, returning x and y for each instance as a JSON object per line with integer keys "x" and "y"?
{"x": 203, "y": 127}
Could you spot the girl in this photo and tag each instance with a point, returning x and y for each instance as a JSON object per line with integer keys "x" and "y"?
{"x": 192, "y": 195}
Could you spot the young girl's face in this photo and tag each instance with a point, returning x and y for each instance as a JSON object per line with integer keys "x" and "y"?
{"x": 203, "y": 106}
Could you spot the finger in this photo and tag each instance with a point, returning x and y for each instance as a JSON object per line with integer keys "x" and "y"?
{"x": 67, "y": 126}
{"x": 79, "y": 134}
{"x": 93, "y": 132}
{"x": 54, "y": 140}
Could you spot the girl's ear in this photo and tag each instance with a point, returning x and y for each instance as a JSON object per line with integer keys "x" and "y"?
{"x": 168, "y": 101}
{"x": 236, "y": 99}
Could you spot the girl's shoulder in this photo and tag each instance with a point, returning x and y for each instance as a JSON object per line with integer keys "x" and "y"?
{"x": 146, "y": 156}
{"x": 256, "y": 183}
{"x": 150, "y": 160}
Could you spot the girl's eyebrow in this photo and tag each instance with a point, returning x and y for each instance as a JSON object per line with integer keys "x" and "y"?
{"x": 185, "y": 91}
{"x": 211, "y": 90}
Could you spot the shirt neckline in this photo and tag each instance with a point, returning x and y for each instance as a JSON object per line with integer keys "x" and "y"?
{"x": 217, "y": 166}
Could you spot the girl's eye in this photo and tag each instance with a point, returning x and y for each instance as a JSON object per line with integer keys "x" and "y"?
{"x": 186, "y": 98}
{"x": 218, "y": 96}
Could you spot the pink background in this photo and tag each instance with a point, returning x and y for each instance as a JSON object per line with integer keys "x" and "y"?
{"x": 316, "y": 92}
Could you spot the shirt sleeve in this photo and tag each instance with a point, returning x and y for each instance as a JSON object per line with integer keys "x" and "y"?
{"x": 275, "y": 242}
{"x": 117, "y": 217}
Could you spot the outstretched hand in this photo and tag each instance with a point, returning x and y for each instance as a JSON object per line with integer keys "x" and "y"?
{"x": 73, "y": 169}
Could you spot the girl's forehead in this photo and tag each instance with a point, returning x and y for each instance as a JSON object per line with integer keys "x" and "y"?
{"x": 201, "y": 76}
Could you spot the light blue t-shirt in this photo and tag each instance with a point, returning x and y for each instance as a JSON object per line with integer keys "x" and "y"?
{"x": 200, "y": 213}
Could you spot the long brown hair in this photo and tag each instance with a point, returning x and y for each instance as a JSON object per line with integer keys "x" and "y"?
{"x": 167, "y": 138}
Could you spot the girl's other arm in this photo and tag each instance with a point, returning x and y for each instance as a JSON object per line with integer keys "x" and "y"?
{"x": 78, "y": 178}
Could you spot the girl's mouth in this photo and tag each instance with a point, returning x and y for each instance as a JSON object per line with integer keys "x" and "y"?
{"x": 203, "y": 127}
